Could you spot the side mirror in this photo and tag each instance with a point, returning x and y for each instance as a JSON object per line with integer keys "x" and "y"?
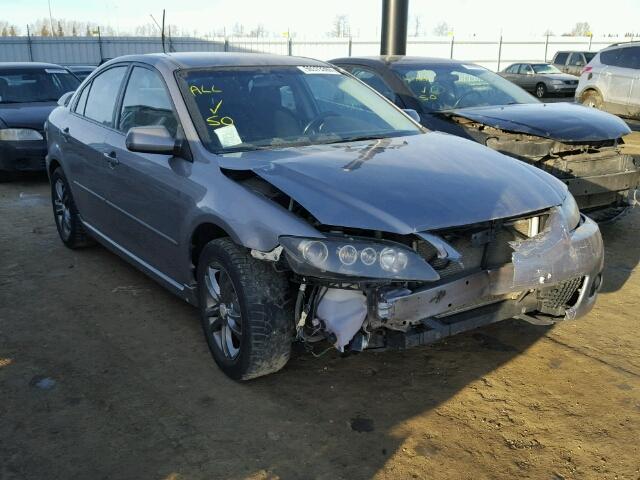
{"x": 156, "y": 139}
{"x": 63, "y": 101}
{"x": 412, "y": 113}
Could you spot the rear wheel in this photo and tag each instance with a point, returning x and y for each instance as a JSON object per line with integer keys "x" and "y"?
{"x": 246, "y": 311}
{"x": 592, "y": 99}
{"x": 65, "y": 213}
{"x": 541, "y": 90}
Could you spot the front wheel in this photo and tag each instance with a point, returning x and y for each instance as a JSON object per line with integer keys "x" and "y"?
{"x": 246, "y": 311}
{"x": 592, "y": 99}
{"x": 541, "y": 90}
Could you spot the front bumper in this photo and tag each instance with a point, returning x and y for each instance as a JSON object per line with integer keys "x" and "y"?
{"x": 24, "y": 156}
{"x": 564, "y": 88}
{"x": 540, "y": 268}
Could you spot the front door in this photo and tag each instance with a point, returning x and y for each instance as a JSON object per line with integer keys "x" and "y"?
{"x": 148, "y": 191}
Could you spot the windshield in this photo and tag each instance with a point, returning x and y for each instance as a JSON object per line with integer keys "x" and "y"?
{"x": 248, "y": 108}
{"x": 449, "y": 86}
{"x": 545, "y": 68}
{"x": 31, "y": 85}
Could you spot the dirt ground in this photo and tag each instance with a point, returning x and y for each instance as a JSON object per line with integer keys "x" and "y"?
{"x": 105, "y": 375}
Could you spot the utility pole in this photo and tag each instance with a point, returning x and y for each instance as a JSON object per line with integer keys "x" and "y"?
{"x": 51, "y": 19}
{"x": 395, "y": 16}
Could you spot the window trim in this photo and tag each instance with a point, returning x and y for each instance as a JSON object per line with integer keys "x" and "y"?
{"x": 380, "y": 76}
{"x": 155, "y": 71}
{"x": 90, "y": 85}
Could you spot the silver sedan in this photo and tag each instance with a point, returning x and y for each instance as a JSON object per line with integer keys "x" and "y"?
{"x": 541, "y": 79}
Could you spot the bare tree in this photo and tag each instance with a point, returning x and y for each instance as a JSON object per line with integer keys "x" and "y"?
{"x": 60, "y": 30}
{"x": 238, "y": 30}
{"x": 581, "y": 29}
{"x": 442, "y": 29}
{"x": 341, "y": 27}
{"x": 548, "y": 33}
{"x": 7, "y": 29}
{"x": 258, "y": 32}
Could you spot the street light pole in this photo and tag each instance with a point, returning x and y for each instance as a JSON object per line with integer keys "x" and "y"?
{"x": 395, "y": 16}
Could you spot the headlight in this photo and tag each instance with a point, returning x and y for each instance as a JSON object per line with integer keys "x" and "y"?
{"x": 557, "y": 82}
{"x": 19, "y": 134}
{"x": 570, "y": 211}
{"x": 333, "y": 257}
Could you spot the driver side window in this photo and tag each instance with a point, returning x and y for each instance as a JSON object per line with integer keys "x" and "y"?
{"x": 146, "y": 103}
{"x": 525, "y": 69}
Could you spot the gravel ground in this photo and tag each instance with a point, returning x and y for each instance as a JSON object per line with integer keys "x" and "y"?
{"x": 104, "y": 375}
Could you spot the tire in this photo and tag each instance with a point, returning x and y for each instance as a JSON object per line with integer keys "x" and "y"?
{"x": 541, "y": 90}
{"x": 65, "y": 213}
{"x": 592, "y": 99}
{"x": 246, "y": 311}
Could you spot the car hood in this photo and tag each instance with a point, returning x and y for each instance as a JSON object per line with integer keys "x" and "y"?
{"x": 558, "y": 76}
{"x": 26, "y": 115}
{"x": 405, "y": 184}
{"x": 565, "y": 122}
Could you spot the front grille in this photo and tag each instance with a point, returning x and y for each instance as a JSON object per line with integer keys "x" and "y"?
{"x": 560, "y": 295}
{"x": 571, "y": 82}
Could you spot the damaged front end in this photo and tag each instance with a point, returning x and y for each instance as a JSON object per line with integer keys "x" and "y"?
{"x": 362, "y": 290}
{"x": 602, "y": 175}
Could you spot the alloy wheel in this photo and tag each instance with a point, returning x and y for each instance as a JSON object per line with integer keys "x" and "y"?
{"x": 62, "y": 209}
{"x": 223, "y": 312}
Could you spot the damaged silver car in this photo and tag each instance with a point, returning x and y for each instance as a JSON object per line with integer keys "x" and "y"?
{"x": 290, "y": 202}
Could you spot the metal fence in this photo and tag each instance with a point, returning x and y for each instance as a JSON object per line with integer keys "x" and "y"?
{"x": 493, "y": 53}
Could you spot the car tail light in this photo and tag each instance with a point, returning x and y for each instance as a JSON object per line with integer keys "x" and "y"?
{"x": 586, "y": 69}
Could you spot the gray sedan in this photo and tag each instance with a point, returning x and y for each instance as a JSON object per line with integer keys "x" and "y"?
{"x": 541, "y": 79}
{"x": 290, "y": 202}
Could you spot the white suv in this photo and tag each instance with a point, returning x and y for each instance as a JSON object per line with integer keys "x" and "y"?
{"x": 611, "y": 81}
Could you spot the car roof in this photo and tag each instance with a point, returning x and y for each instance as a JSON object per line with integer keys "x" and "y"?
{"x": 27, "y": 65}
{"x": 398, "y": 60}
{"x": 180, "y": 60}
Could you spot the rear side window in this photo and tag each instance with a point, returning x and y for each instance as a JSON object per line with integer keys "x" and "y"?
{"x": 146, "y": 103}
{"x": 525, "y": 68}
{"x": 630, "y": 57}
{"x": 104, "y": 95}
{"x": 577, "y": 59}
{"x": 561, "y": 58}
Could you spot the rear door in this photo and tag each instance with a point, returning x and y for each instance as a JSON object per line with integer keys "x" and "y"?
{"x": 618, "y": 80}
{"x": 148, "y": 191}
{"x": 560, "y": 61}
{"x": 85, "y": 148}
{"x": 575, "y": 64}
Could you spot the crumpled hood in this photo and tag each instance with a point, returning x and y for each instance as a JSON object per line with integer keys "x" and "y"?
{"x": 564, "y": 122}
{"x": 403, "y": 185}
{"x": 26, "y": 115}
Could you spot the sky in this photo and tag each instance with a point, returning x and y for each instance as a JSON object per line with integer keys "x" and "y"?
{"x": 313, "y": 19}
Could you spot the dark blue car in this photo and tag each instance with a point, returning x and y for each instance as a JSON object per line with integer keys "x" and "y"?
{"x": 28, "y": 94}
{"x": 580, "y": 146}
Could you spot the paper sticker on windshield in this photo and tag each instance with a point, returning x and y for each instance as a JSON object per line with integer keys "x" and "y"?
{"x": 54, "y": 70}
{"x": 317, "y": 69}
{"x": 228, "y": 136}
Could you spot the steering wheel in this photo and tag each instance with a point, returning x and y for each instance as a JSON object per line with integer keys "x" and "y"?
{"x": 466, "y": 94}
{"x": 316, "y": 123}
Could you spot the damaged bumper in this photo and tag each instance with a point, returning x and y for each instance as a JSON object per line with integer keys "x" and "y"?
{"x": 553, "y": 276}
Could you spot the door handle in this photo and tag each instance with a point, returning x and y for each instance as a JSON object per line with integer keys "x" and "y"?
{"x": 111, "y": 159}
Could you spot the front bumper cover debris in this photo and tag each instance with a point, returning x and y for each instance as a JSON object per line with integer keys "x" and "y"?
{"x": 552, "y": 258}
